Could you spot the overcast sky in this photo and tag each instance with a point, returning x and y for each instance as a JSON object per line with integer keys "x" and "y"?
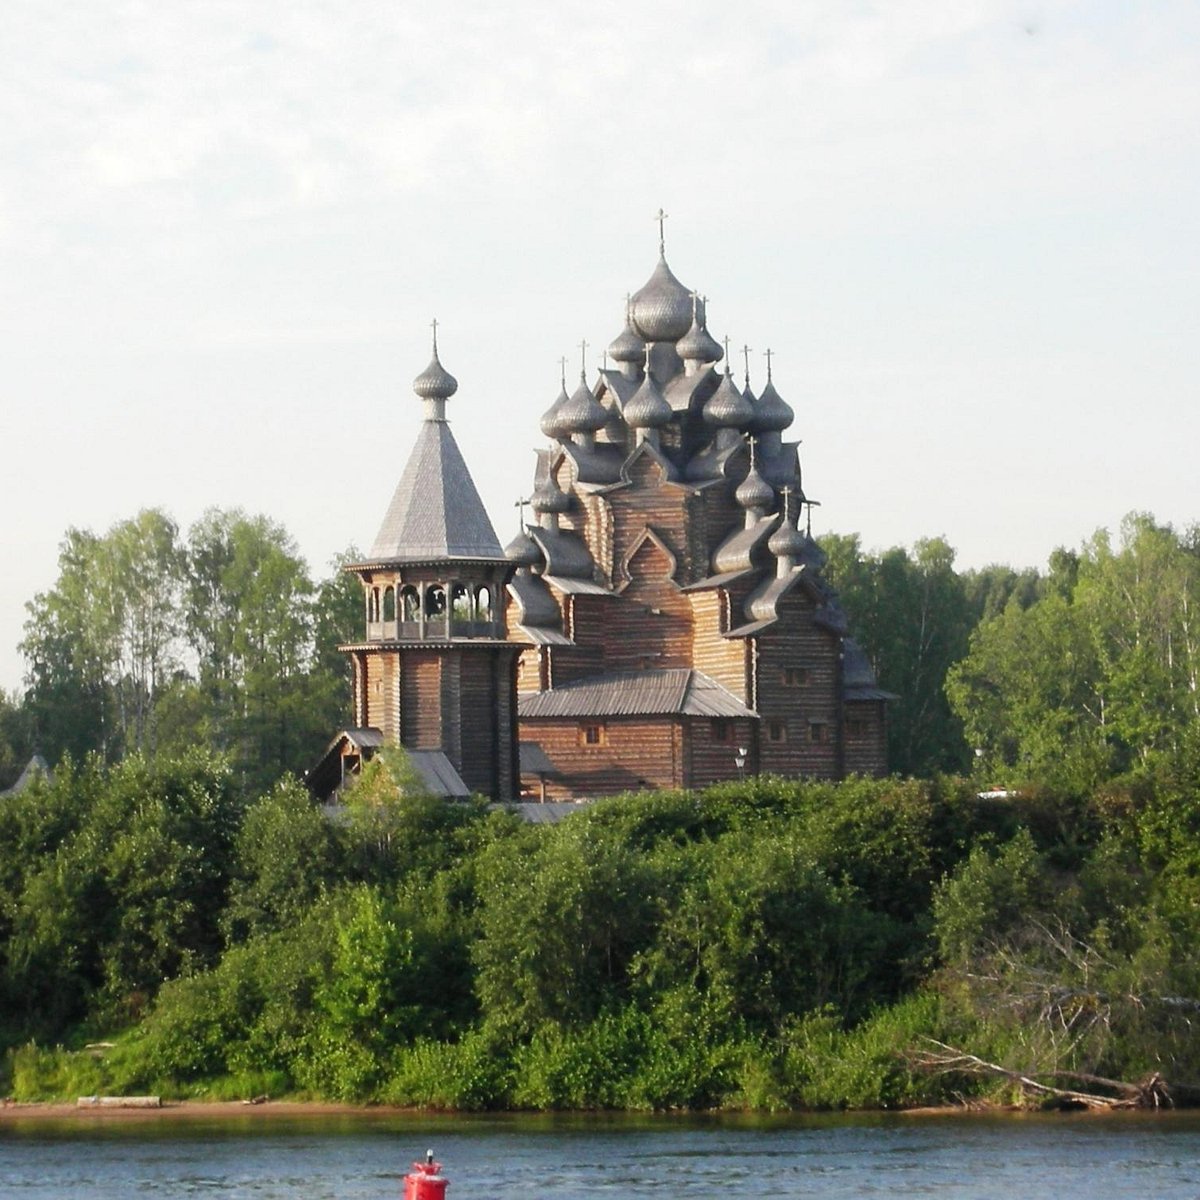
{"x": 967, "y": 229}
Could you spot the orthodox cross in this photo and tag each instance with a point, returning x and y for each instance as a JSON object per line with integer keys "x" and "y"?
{"x": 660, "y": 217}
{"x": 767, "y": 353}
{"x": 562, "y": 363}
{"x": 810, "y": 505}
{"x": 434, "y": 324}
{"x": 583, "y": 349}
{"x": 786, "y": 492}
{"x": 753, "y": 443}
{"x": 725, "y": 339}
{"x": 746, "y": 359}
{"x": 524, "y": 500}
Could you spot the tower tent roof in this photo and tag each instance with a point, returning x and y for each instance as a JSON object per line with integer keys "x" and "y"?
{"x": 436, "y": 511}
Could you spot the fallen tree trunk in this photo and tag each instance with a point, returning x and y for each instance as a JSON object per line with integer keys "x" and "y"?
{"x": 1152, "y": 1092}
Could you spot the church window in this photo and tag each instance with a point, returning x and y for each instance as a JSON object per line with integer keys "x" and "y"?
{"x": 374, "y": 613}
{"x": 818, "y": 731}
{"x": 435, "y": 600}
{"x": 389, "y": 603}
{"x": 592, "y": 735}
{"x": 777, "y": 731}
{"x": 483, "y": 604}
{"x": 795, "y": 676}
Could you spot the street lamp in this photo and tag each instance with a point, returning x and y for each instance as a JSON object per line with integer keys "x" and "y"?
{"x": 739, "y": 760}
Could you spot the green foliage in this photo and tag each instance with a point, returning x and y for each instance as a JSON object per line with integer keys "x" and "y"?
{"x": 1099, "y": 675}
{"x": 112, "y": 880}
{"x": 987, "y": 896}
{"x": 285, "y": 855}
{"x": 108, "y": 646}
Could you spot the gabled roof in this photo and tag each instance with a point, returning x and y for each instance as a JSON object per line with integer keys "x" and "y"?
{"x": 674, "y": 692}
{"x": 436, "y": 512}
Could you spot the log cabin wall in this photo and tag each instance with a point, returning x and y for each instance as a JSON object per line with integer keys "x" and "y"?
{"x": 797, "y": 666}
{"x": 724, "y": 659}
{"x": 631, "y": 754}
{"x": 865, "y": 726}
{"x": 711, "y": 746}
{"x": 421, "y": 683}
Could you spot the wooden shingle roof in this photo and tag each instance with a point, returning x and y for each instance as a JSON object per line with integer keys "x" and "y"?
{"x": 674, "y": 692}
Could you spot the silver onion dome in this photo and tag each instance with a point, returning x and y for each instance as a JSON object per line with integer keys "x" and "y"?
{"x": 771, "y": 412}
{"x": 812, "y": 554}
{"x": 582, "y": 412}
{"x": 662, "y": 307}
{"x": 727, "y": 407}
{"x": 627, "y": 347}
{"x": 787, "y": 541}
{"x": 647, "y": 407}
{"x": 698, "y": 345}
{"x": 435, "y": 382}
{"x": 523, "y": 551}
{"x": 551, "y": 423}
{"x": 548, "y": 497}
{"x": 754, "y": 491}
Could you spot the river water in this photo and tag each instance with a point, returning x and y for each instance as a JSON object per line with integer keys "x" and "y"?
{"x": 363, "y": 1157}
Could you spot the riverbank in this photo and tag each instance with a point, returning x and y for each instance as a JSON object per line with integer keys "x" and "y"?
{"x": 177, "y": 1110}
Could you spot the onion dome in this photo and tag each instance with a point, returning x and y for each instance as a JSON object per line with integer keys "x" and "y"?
{"x": 787, "y": 541}
{"x": 698, "y": 345}
{"x": 662, "y": 308}
{"x": 551, "y": 422}
{"x": 548, "y": 497}
{"x": 647, "y": 407}
{"x": 727, "y": 407}
{"x": 582, "y": 413}
{"x": 812, "y": 554}
{"x": 523, "y": 550}
{"x": 435, "y": 382}
{"x": 754, "y": 491}
{"x": 771, "y": 412}
{"x": 627, "y": 347}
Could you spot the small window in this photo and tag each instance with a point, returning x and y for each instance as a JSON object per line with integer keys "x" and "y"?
{"x": 795, "y": 676}
{"x": 592, "y": 735}
{"x": 722, "y": 731}
{"x": 818, "y": 731}
{"x": 776, "y": 731}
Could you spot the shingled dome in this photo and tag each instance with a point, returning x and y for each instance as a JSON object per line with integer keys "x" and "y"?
{"x": 662, "y": 309}
{"x": 435, "y": 382}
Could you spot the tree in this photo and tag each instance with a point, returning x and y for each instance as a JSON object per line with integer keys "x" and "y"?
{"x": 1099, "y": 675}
{"x": 250, "y": 620}
{"x": 913, "y": 617}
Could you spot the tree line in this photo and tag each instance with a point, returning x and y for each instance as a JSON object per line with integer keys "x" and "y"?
{"x": 151, "y": 641}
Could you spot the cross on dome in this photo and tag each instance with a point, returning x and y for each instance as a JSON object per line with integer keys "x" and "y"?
{"x": 661, "y": 217}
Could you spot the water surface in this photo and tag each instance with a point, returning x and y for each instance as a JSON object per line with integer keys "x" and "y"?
{"x": 363, "y": 1157}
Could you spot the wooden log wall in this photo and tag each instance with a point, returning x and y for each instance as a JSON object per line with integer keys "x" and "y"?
{"x": 866, "y": 737}
{"x": 724, "y": 659}
{"x": 806, "y": 698}
{"x": 636, "y": 753}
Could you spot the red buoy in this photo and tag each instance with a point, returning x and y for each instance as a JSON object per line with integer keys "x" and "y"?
{"x": 426, "y": 1181}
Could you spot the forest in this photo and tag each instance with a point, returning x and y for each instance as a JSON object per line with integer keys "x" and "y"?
{"x": 177, "y": 917}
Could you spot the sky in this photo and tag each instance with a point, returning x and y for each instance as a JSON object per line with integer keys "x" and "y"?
{"x": 967, "y": 229}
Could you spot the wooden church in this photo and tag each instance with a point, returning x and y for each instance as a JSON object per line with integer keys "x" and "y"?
{"x": 662, "y": 623}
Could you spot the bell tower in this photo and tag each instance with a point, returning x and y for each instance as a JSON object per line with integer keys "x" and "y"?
{"x": 435, "y": 671}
